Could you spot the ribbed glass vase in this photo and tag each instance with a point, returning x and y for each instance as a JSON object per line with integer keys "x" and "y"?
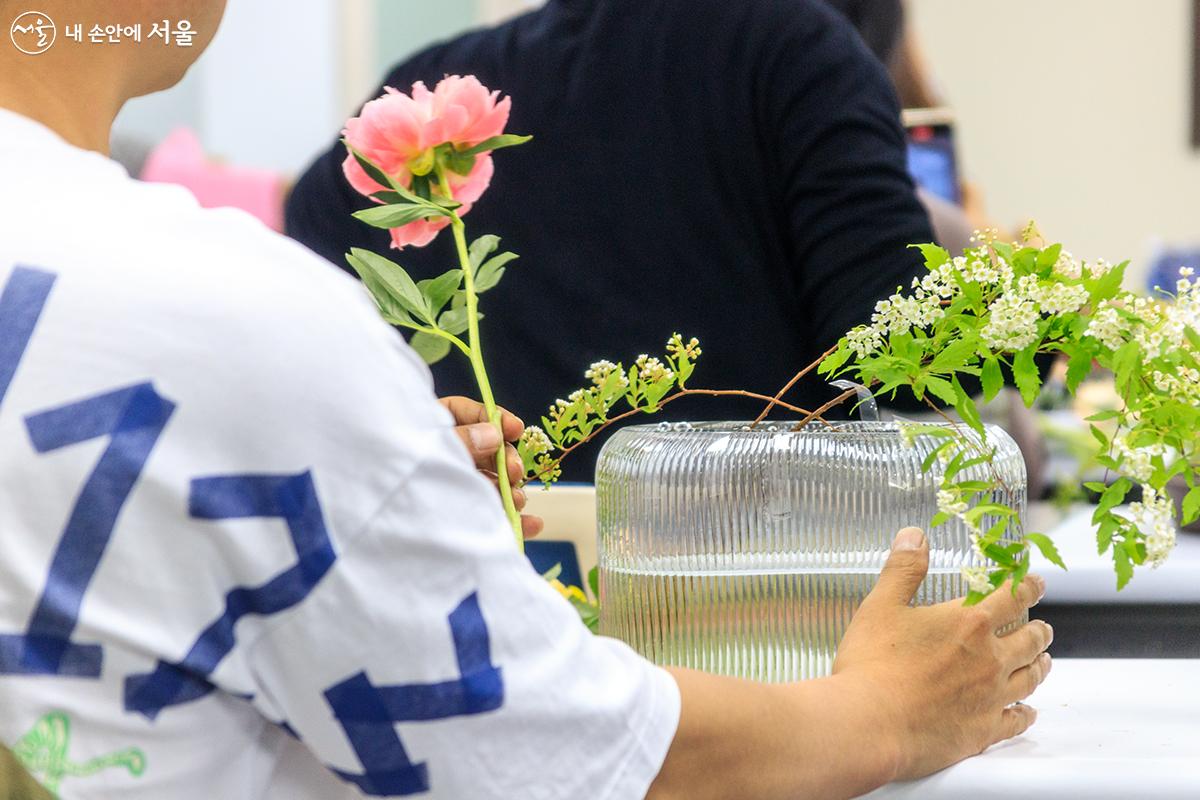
{"x": 745, "y": 552}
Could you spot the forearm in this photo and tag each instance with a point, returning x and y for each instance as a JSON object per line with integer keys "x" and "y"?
{"x": 816, "y": 739}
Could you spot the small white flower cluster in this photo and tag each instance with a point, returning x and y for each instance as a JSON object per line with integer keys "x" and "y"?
{"x": 977, "y": 579}
{"x": 1107, "y": 326}
{"x": 1068, "y": 266}
{"x": 1012, "y": 324}
{"x": 1099, "y": 268}
{"x": 583, "y": 399}
{"x": 535, "y": 441}
{"x": 1014, "y": 315}
{"x": 1155, "y": 516}
{"x": 677, "y": 347}
{"x": 1166, "y": 324}
{"x": 651, "y": 370}
{"x": 950, "y": 503}
{"x": 1183, "y": 384}
{"x": 599, "y": 373}
{"x": 1136, "y": 462}
{"x": 1060, "y": 298}
{"x": 556, "y": 410}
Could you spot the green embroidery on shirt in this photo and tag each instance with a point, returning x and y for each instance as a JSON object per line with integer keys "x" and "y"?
{"x": 44, "y": 752}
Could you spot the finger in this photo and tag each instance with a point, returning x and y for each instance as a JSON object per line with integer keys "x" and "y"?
{"x": 482, "y": 441}
{"x": 519, "y": 496}
{"x": 516, "y": 467}
{"x": 904, "y": 570}
{"x": 1023, "y": 645}
{"x": 1006, "y": 607}
{"x": 464, "y": 410}
{"x": 531, "y": 526}
{"x": 1024, "y": 681}
{"x": 1013, "y": 721}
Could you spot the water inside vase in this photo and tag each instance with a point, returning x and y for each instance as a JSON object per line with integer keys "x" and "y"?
{"x": 770, "y": 626}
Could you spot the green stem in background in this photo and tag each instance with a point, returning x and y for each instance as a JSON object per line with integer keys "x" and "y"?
{"x": 481, "y": 377}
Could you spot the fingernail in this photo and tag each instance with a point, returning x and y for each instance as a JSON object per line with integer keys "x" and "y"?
{"x": 1049, "y": 632}
{"x": 909, "y": 539}
{"x": 484, "y": 437}
{"x": 1040, "y": 582}
{"x": 1046, "y": 663}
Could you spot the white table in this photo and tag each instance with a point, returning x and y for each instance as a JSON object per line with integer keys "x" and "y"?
{"x": 1106, "y": 730}
{"x": 1090, "y": 578}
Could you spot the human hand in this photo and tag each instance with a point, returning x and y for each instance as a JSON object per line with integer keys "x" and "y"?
{"x": 947, "y": 685}
{"x": 482, "y": 441}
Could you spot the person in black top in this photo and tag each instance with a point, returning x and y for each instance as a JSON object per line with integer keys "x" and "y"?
{"x": 733, "y": 171}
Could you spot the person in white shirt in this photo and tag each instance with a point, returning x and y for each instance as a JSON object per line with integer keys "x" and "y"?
{"x": 244, "y": 553}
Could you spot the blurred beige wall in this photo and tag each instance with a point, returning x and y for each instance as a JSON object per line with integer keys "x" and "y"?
{"x": 1074, "y": 112}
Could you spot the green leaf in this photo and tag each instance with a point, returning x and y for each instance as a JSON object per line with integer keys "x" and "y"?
{"x": 593, "y": 580}
{"x": 1123, "y": 567}
{"x": 496, "y": 143}
{"x": 1047, "y": 548}
{"x": 390, "y": 278}
{"x": 480, "y": 249}
{"x": 552, "y": 573}
{"x": 438, "y": 291}
{"x": 1192, "y": 336}
{"x": 1191, "y": 506}
{"x": 430, "y": 347}
{"x": 492, "y": 270}
{"x": 992, "y": 378}
{"x": 1113, "y": 496}
{"x": 1048, "y": 257}
{"x": 1125, "y": 365}
{"x": 397, "y": 215}
{"x": 941, "y": 388}
{"x": 1105, "y": 287}
{"x": 1025, "y": 374}
{"x": 836, "y": 359}
{"x": 953, "y": 356}
{"x": 454, "y": 321}
{"x": 1078, "y": 368}
{"x": 373, "y": 170}
{"x": 933, "y": 455}
{"x": 1021, "y": 571}
{"x": 392, "y": 197}
{"x": 934, "y": 256}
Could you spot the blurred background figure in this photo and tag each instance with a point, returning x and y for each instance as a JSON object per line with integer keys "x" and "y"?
{"x": 733, "y": 171}
{"x": 955, "y": 207}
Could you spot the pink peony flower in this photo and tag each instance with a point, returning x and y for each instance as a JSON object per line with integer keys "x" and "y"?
{"x": 400, "y": 133}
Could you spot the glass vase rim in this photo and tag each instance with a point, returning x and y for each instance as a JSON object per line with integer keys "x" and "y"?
{"x": 778, "y": 427}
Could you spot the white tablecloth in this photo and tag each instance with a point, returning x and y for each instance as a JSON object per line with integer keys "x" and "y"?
{"x": 1090, "y": 577}
{"x": 1106, "y": 730}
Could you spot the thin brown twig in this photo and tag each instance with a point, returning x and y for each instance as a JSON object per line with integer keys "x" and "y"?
{"x": 775, "y": 401}
{"x": 841, "y": 398}
{"x": 681, "y": 393}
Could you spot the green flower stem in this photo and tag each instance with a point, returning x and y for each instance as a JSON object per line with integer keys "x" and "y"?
{"x": 481, "y": 377}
